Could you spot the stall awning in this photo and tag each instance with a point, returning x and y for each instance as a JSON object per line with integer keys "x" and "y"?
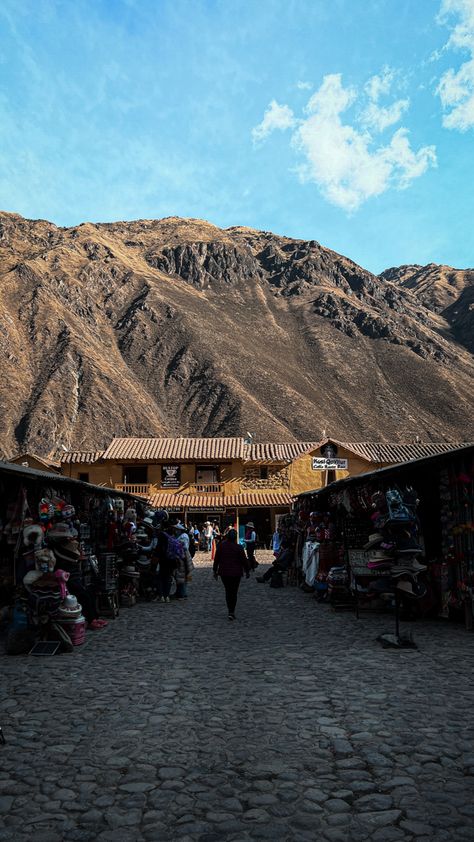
{"x": 249, "y": 500}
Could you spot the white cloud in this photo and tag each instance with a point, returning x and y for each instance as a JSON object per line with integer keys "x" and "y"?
{"x": 380, "y": 85}
{"x": 379, "y": 117}
{"x": 304, "y": 86}
{"x": 276, "y": 117}
{"x": 341, "y": 159}
{"x": 456, "y": 87}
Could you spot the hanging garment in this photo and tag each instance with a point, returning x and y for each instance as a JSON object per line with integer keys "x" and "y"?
{"x": 310, "y": 559}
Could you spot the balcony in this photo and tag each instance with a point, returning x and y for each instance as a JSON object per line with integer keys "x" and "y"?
{"x": 205, "y": 488}
{"x": 140, "y": 489}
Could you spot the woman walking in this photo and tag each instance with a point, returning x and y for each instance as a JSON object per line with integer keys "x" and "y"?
{"x": 230, "y": 564}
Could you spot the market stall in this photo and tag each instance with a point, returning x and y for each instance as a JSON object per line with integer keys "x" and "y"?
{"x": 61, "y": 541}
{"x": 401, "y": 538}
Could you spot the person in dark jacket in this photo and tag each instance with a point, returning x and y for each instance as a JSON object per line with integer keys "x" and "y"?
{"x": 230, "y": 563}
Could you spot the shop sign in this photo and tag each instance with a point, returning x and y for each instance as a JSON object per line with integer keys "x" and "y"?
{"x": 205, "y": 509}
{"x": 320, "y": 463}
{"x": 170, "y": 476}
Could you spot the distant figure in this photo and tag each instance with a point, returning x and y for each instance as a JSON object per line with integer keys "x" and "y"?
{"x": 250, "y": 542}
{"x": 230, "y": 564}
{"x": 209, "y": 533}
{"x": 276, "y": 541}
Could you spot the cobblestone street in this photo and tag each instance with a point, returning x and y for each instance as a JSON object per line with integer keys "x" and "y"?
{"x": 289, "y": 724}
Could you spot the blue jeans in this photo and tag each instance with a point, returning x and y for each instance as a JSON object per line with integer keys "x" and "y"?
{"x": 181, "y": 590}
{"x": 209, "y": 545}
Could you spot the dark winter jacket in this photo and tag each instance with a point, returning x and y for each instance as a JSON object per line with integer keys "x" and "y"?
{"x": 230, "y": 560}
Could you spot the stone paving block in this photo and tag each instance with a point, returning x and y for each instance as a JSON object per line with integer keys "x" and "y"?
{"x": 231, "y": 734}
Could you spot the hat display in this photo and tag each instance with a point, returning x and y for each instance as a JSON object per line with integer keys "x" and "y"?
{"x": 410, "y": 588}
{"x": 129, "y": 570}
{"x": 33, "y": 534}
{"x": 375, "y": 539}
{"x": 408, "y": 545}
{"x": 31, "y": 577}
{"x": 62, "y": 532}
{"x": 69, "y": 551}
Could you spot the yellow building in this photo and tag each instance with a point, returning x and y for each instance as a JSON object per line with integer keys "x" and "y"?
{"x": 231, "y": 480}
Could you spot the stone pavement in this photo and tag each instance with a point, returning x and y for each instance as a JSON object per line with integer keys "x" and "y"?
{"x": 289, "y": 724}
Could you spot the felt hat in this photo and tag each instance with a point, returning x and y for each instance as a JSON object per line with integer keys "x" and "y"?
{"x": 374, "y": 540}
{"x": 62, "y": 532}
{"x": 129, "y": 570}
{"x": 131, "y": 514}
{"x": 408, "y": 545}
{"x": 33, "y": 534}
{"x": 180, "y": 527}
{"x": 148, "y": 520}
{"x": 67, "y": 552}
{"x": 68, "y": 511}
{"x": 414, "y": 589}
{"x": 250, "y": 524}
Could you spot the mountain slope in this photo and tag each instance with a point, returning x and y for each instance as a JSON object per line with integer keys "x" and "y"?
{"x": 447, "y": 291}
{"x": 177, "y": 327}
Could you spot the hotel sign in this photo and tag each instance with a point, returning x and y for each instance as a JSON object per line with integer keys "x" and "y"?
{"x": 321, "y": 463}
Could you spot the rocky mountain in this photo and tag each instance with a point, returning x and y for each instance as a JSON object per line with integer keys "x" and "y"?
{"x": 177, "y": 327}
{"x": 444, "y": 290}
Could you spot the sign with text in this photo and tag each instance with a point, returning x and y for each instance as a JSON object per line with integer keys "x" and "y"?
{"x": 320, "y": 463}
{"x": 170, "y": 476}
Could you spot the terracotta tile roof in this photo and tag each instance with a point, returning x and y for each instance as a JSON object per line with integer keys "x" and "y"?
{"x": 167, "y": 500}
{"x": 49, "y": 463}
{"x": 263, "y": 498}
{"x": 81, "y": 457}
{"x": 154, "y": 449}
{"x": 386, "y": 452}
{"x": 274, "y": 452}
{"x": 201, "y": 501}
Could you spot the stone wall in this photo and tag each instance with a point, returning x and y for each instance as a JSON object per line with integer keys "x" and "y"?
{"x": 277, "y": 478}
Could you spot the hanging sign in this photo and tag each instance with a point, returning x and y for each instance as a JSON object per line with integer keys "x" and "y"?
{"x": 320, "y": 463}
{"x": 170, "y": 476}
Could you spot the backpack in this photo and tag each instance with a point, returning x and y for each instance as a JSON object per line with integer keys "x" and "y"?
{"x": 174, "y": 549}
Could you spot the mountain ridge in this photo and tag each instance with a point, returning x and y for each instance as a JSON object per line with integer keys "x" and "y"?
{"x": 176, "y": 326}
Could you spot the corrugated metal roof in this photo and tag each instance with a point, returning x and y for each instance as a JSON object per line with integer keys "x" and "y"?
{"x": 153, "y": 449}
{"x": 55, "y": 479}
{"x": 201, "y": 501}
{"x": 81, "y": 457}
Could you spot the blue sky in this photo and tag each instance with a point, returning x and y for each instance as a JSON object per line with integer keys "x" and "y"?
{"x": 350, "y": 122}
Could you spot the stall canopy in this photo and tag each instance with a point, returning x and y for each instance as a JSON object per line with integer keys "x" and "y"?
{"x": 19, "y": 472}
